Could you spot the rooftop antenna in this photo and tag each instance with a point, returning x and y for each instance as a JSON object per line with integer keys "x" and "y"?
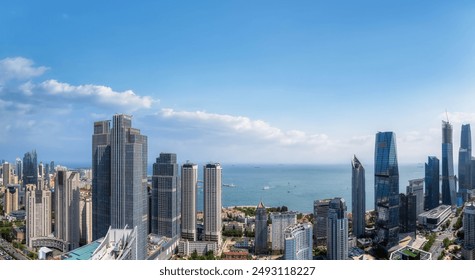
{"x": 447, "y": 115}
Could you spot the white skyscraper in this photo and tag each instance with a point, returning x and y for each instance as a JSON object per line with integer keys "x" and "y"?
{"x": 280, "y": 221}
{"x": 298, "y": 242}
{"x": 212, "y": 202}
{"x": 38, "y": 213}
{"x": 469, "y": 231}
{"x": 189, "y": 180}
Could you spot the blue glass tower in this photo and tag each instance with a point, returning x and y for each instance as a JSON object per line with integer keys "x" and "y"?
{"x": 449, "y": 193}
{"x": 358, "y": 197}
{"x": 432, "y": 184}
{"x": 386, "y": 189}
{"x": 30, "y": 168}
{"x": 465, "y": 157}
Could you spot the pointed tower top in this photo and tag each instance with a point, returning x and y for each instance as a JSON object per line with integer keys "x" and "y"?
{"x": 261, "y": 205}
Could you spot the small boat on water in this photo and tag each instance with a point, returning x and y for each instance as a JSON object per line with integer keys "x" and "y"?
{"x": 266, "y": 188}
{"x": 229, "y": 185}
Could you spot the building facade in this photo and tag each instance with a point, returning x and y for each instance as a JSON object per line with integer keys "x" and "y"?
{"x": 67, "y": 207}
{"x": 416, "y": 187}
{"x": 30, "y": 168}
{"x": 337, "y": 230}
{"x": 298, "y": 242}
{"x": 468, "y": 251}
{"x": 320, "y": 212}
{"x": 212, "y": 202}
{"x": 280, "y": 221}
{"x": 166, "y": 197}
{"x": 432, "y": 183}
{"x": 358, "y": 197}
{"x": 386, "y": 189}
{"x": 449, "y": 194}
{"x": 260, "y": 243}
{"x": 38, "y": 213}
{"x": 189, "y": 181}
{"x": 464, "y": 165}
{"x": 407, "y": 212}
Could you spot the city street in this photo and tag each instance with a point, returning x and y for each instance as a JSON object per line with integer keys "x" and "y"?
{"x": 8, "y": 247}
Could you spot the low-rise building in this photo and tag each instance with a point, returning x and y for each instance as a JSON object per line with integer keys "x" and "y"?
{"x": 410, "y": 253}
{"x": 435, "y": 217}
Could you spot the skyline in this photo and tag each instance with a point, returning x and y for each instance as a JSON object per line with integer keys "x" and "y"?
{"x": 265, "y": 83}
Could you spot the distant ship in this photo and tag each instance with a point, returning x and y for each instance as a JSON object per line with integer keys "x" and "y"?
{"x": 266, "y": 188}
{"x": 229, "y": 185}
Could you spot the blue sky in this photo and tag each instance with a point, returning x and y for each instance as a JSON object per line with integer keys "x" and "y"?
{"x": 237, "y": 81}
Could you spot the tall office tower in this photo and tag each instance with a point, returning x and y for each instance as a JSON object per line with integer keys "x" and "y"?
{"x": 30, "y": 169}
{"x": 67, "y": 197}
{"x": 468, "y": 251}
{"x": 407, "y": 212}
{"x": 386, "y": 189}
{"x": 298, "y": 242}
{"x": 85, "y": 217}
{"x": 472, "y": 172}
{"x": 51, "y": 167}
{"x": 101, "y": 179}
{"x": 47, "y": 170}
{"x": 320, "y": 212}
{"x": 38, "y": 213}
{"x": 432, "y": 184}
{"x": 166, "y": 197}
{"x": 129, "y": 204}
{"x": 449, "y": 194}
{"x": 416, "y": 187}
{"x": 189, "y": 181}
{"x": 464, "y": 166}
{"x": 280, "y": 221}
{"x": 7, "y": 174}
{"x": 41, "y": 170}
{"x": 10, "y": 199}
{"x": 212, "y": 202}
{"x": 337, "y": 230}
{"x": 358, "y": 197}
{"x": 260, "y": 243}
{"x": 18, "y": 168}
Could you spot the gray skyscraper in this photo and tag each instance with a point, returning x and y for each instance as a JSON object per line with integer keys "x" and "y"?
{"x": 189, "y": 181}
{"x": 260, "y": 242}
{"x": 469, "y": 231}
{"x": 101, "y": 179}
{"x": 38, "y": 213}
{"x": 449, "y": 192}
{"x": 30, "y": 169}
{"x": 416, "y": 187}
{"x": 67, "y": 207}
{"x": 19, "y": 168}
{"x": 358, "y": 197}
{"x": 464, "y": 166}
{"x": 320, "y": 212}
{"x": 432, "y": 183}
{"x": 166, "y": 197}
{"x": 212, "y": 202}
{"x": 119, "y": 192}
{"x": 129, "y": 205}
{"x": 337, "y": 230}
{"x": 386, "y": 189}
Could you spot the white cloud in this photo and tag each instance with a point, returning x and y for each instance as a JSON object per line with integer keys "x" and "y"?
{"x": 458, "y": 117}
{"x": 244, "y": 125}
{"x": 100, "y": 95}
{"x": 19, "y": 68}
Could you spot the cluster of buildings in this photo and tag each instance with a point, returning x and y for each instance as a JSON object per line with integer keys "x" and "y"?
{"x": 115, "y": 211}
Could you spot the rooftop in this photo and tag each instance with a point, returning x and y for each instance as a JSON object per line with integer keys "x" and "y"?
{"x": 82, "y": 253}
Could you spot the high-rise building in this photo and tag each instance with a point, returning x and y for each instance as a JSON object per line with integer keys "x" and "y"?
{"x": 358, "y": 197}
{"x": 280, "y": 221}
{"x": 469, "y": 231}
{"x": 212, "y": 202}
{"x": 189, "y": 181}
{"x": 18, "y": 168}
{"x": 166, "y": 197}
{"x": 38, "y": 213}
{"x": 85, "y": 217}
{"x": 449, "y": 194}
{"x": 11, "y": 199}
{"x": 119, "y": 167}
{"x": 7, "y": 174}
{"x": 30, "y": 169}
{"x": 386, "y": 189}
{"x": 320, "y": 212}
{"x": 66, "y": 193}
{"x": 260, "y": 243}
{"x": 101, "y": 179}
{"x": 464, "y": 166}
{"x": 416, "y": 187}
{"x": 129, "y": 204}
{"x": 298, "y": 242}
{"x": 432, "y": 183}
{"x": 41, "y": 170}
{"x": 407, "y": 212}
{"x": 337, "y": 230}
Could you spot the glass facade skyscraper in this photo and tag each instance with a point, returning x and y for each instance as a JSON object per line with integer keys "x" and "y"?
{"x": 386, "y": 189}
{"x": 166, "y": 197}
{"x": 337, "y": 229}
{"x": 449, "y": 193}
{"x": 260, "y": 243}
{"x": 30, "y": 168}
{"x": 432, "y": 183}
{"x": 464, "y": 166}
{"x": 358, "y": 197}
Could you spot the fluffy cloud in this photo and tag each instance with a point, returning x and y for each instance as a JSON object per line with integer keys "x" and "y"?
{"x": 244, "y": 125}
{"x": 19, "y": 68}
{"x": 100, "y": 95}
